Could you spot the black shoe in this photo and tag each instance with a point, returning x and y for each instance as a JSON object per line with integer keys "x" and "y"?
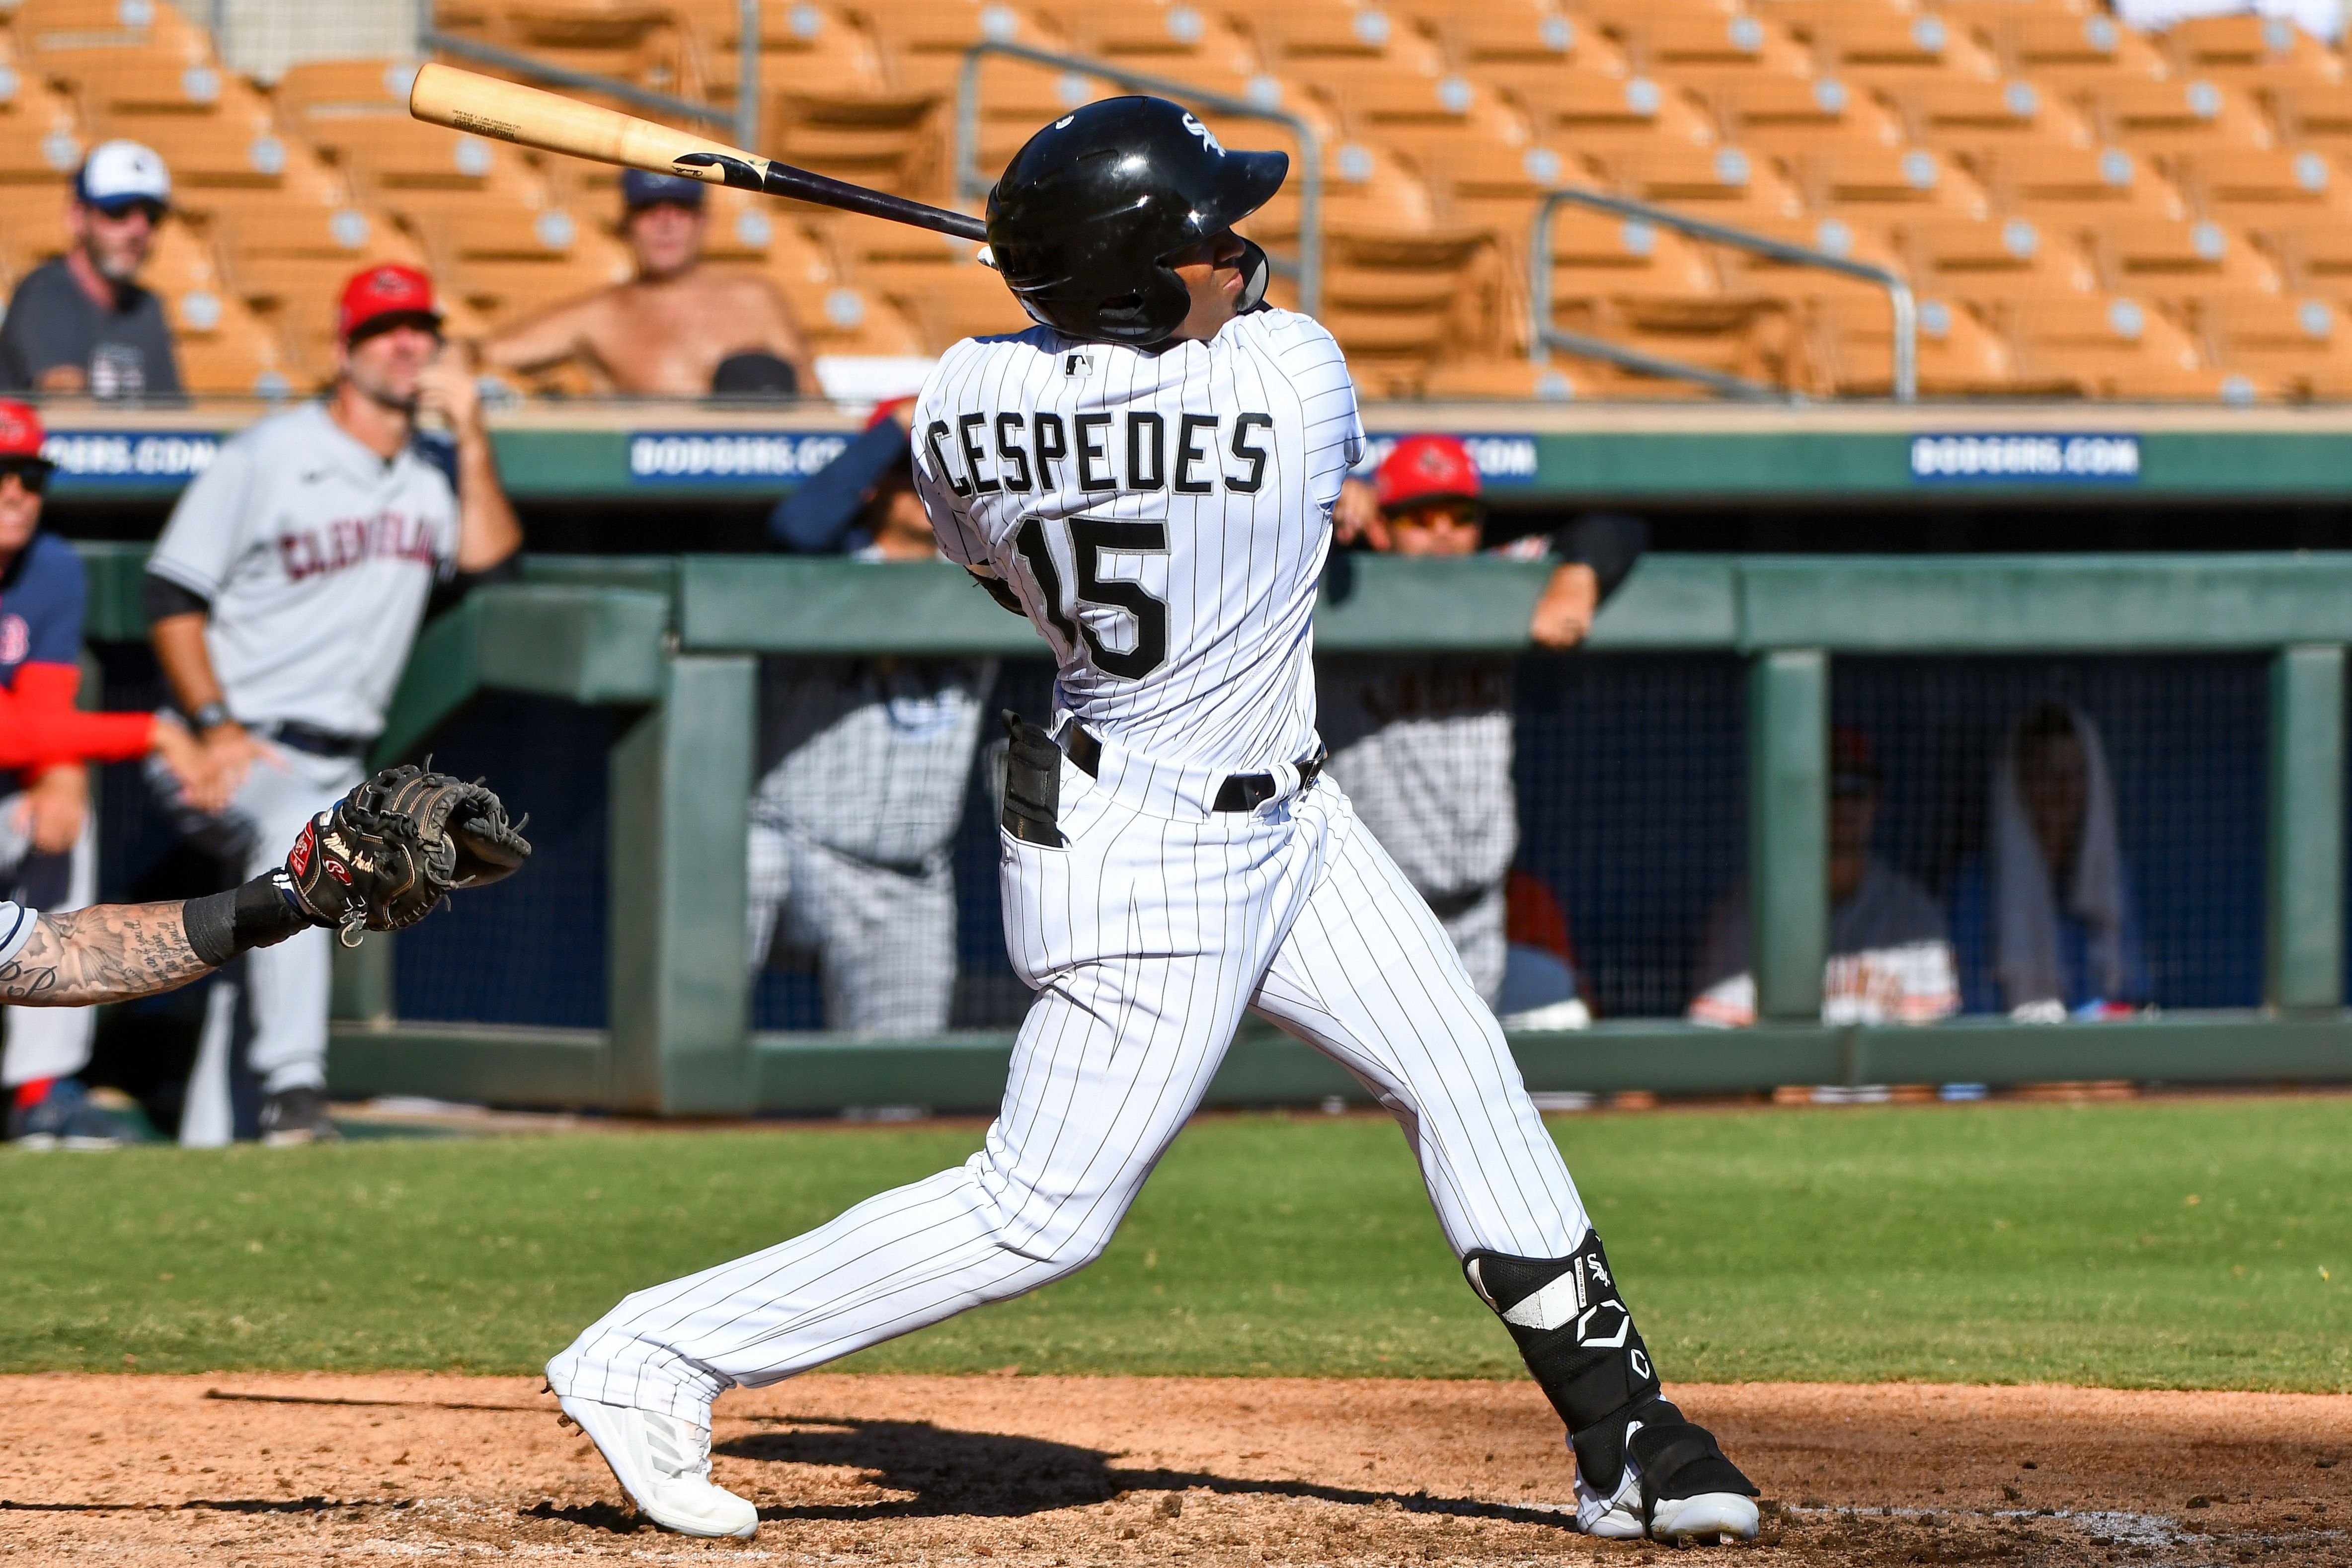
{"x": 297, "y": 1116}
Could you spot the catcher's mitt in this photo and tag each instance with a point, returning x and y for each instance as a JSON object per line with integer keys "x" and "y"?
{"x": 384, "y": 855}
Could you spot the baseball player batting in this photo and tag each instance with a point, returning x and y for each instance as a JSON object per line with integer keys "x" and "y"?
{"x": 1148, "y": 476}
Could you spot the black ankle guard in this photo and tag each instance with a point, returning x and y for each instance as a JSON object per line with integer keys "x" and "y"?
{"x": 1578, "y": 1340}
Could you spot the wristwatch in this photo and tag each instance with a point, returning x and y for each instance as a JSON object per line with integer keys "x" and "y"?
{"x": 211, "y": 716}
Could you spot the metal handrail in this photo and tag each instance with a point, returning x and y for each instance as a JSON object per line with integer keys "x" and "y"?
{"x": 971, "y": 184}
{"x": 1543, "y": 335}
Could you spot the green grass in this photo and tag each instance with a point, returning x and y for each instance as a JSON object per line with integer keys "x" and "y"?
{"x": 2171, "y": 1245}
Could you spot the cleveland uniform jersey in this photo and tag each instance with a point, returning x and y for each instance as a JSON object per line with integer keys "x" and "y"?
{"x": 1162, "y": 516}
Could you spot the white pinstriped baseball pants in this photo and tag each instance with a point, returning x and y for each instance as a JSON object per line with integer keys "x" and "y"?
{"x": 1145, "y": 940}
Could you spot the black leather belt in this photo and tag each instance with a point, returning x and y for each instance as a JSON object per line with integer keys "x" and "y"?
{"x": 318, "y": 743}
{"x": 1240, "y": 792}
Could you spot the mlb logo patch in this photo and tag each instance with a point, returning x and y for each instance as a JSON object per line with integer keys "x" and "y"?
{"x": 1076, "y": 364}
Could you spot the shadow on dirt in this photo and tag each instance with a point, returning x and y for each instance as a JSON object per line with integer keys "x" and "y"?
{"x": 992, "y": 1475}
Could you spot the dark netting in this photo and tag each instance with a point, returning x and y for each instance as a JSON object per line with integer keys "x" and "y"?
{"x": 529, "y": 950}
{"x": 1633, "y": 811}
{"x": 2183, "y": 744}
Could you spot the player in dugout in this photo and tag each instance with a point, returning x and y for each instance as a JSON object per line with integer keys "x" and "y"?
{"x": 680, "y": 327}
{"x": 48, "y": 838}
{"x": 1422, "y": 743}
{"x": 282, "y": 599}
{"x": 865, "y": 763}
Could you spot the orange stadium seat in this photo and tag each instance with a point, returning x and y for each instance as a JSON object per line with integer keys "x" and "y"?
{"x": 1504, "y": 37}
{"x": 2253, "y": 52}
{"x": 1887, "y": 179}
{"x": 2289, "y": 347}
{"x": 505, "y": 260}
{"x": 1992, "y": 258}
{"x": 2246, "y": 185}
{"x": 40, "y": 142}
{"x": 637, "y": 41}
{"x": 801, "y": 42}
{"x": 924, "y": 40}
{"x": 1870, "y": 41}
{"x": 334, "y": 103}
{"x": 1791, "y": 115}
{"x": 2314, "y": 117}
{"x": 1496, "y": 186}
{"x": 2077, "y": 184}
{"x": 2072, "y": 53}
{"x": 1701, "y": 47}
{"x": 2316, "y": 255}
{"x": 2174, "y": 117}
{"x": 2162, "y": 258}
{"x": 1562, "y": 380}
{"x": 1723, "y": 184}
{"x": 1165, "y": 38}
{"x": 1748, "y": 273}
{"x": 1957, "y": 354}
{"x": 72, "y": 39}
{"x": 1963, "y": 113}
{"x": 2106, "y": 345}
{"x": 872, "y": 139}
{"x": 1598, "y": 255}
{"x": 1594, "y": 113}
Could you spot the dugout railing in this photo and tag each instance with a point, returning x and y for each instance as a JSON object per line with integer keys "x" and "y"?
{"x": 672, "y": 644}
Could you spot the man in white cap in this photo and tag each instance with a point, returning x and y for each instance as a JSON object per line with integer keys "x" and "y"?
{"x": 81, "y": 322}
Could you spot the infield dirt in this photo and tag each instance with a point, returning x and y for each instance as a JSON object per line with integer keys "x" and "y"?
{"x": 1031, "y": 1472}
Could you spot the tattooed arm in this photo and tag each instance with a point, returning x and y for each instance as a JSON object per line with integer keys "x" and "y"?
{"x": 109, "y": 953}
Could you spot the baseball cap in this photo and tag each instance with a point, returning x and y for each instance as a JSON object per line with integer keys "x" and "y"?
{"x": 117, "y": 174}
{"x": 644, "y": 188}
{"x": 20, "y": 432}
{"x": 389, "y": 290}
{"x": 1853, "y": 764}
{"x": 1426, "y": 469}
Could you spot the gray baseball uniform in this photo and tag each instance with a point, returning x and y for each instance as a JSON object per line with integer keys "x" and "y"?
{"x": 1422, "y": 745}
{"x": 868, "y": 763}
{"x": 317, "y": 558}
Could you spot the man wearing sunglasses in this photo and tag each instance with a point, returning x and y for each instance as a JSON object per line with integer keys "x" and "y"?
{"x": 282, "y": 599}
{"x": 80, "y": 323}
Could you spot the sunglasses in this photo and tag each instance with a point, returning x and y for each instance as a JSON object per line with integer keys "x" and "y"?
{"x": 32, "y": 473}
{"x": 118, "y": 211}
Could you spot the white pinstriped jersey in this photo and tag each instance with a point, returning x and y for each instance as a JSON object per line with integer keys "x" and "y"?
{"x": 1162, "y": 515}
{"x": 1422, "y": 744}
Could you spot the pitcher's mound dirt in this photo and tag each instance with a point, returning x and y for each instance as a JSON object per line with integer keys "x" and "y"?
{"x": 1033, "y": 1472}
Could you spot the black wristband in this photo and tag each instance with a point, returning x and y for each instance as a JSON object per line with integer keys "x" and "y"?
{"x": 257, "y": 914}
{"x": 211, "y": 716}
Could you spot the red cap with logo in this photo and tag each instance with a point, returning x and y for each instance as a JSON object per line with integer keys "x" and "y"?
{"x": 390, "y": 289}
{"x": 20, "y": 430}
{"x": 1426, "y": 469}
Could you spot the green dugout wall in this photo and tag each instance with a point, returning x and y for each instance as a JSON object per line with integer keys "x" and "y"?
{"x": 673, "y": 642}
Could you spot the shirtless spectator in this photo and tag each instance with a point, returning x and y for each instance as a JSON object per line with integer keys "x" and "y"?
{"x": 681, "y": 328}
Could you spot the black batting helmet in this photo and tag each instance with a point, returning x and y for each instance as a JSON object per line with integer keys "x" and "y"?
{"x": 1083, "y": 219}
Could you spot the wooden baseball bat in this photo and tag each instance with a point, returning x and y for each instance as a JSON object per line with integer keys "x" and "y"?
{"x": 509, "y": 112}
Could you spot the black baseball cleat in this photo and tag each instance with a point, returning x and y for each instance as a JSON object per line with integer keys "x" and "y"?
{"x": 297, "y": 1116}
{"x": 1661, "y": 1442}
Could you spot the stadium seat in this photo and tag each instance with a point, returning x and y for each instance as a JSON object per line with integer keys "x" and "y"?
{"x": 2175, "y": 117}
{"x": 1562, "y": 380}
{"x": 1701, "y": 47}
{"x": 2157, "y": 258}
{"x": 2106, "y": 345}
{"x": 2070, "y": 53}
{"x": 32, "y": 225}
{"x": 40, "y": 141}
{"x": 1885, "y": 45}
{"x": 1993, "y": 258}
{"x": 2316, "y": 255}
{"x": 1593, "y": 111}
{"x": 2289, "y": 347}
{"x": 1881, "y": 180}
{"x": 505, "y": 260}
{"x": 1504, "y": 39}
{"x": 1749, "y": 274}
{"x": 637, "y": 41}
{"x": 1957, "y": 354}
{"x": 872, "y": 139}
{"x": 70, "y": 40}
{"x": 1959, "y": 113}
{"x": 2247, "y": 185}
{"x": 332, "y": 104}
{"x": 923, "y": 41}
{"x": 1724, "y": 183}
{"x": 800, "y": 43}
{"x": 2316, "y": 118}
{"x": 2076, "y": 184}
{"x": 1598, "y": 255}
{"x": 1791, "y": 115}
{"x": 2253, "y": 52}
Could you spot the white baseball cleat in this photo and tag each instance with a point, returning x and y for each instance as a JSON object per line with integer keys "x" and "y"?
{"x": 664, "y": 1464}
{"x": 1706, "y": 1517}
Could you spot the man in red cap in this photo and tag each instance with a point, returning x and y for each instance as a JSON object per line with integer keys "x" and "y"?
{"x": 47, "y": 846}
{"x": 283, "y": 597}
{"x": 1422, "y": 743}
{"x": 864, "y": 764}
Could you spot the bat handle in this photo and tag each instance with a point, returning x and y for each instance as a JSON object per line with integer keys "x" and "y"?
{"x": 783, "y": 180}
